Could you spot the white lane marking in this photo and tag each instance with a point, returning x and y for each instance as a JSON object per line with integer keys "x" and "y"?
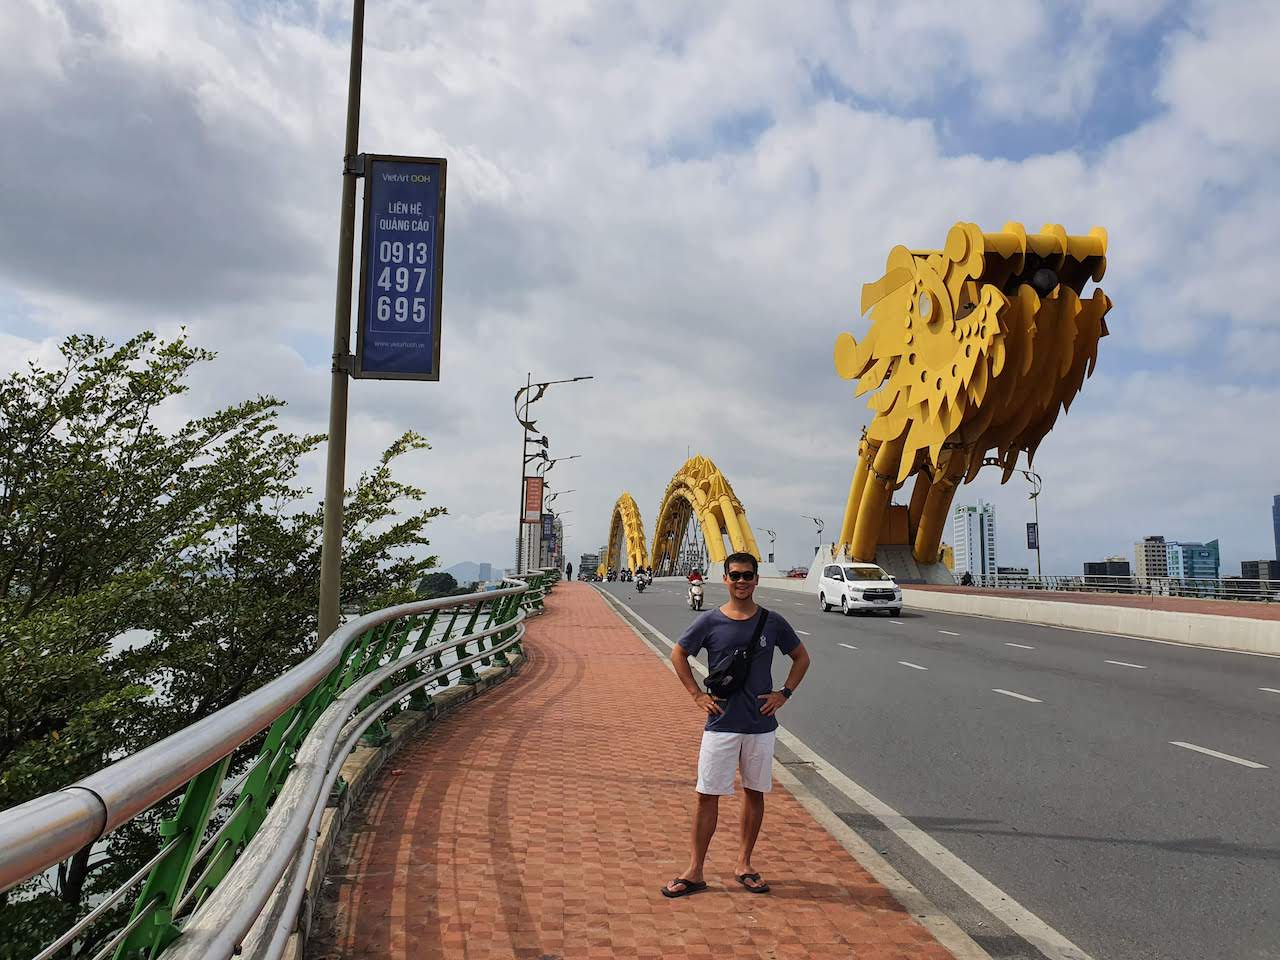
{"x": 1016, "y": 696}
{"x": 913, "y": 666}
{"x": 1221, "y": 756}
{"x": 898, "y": 622}
{"x": 1269, "y": 690}
{"x": 848, "y": 646}
{"x": 994, "y": 900}
{"x": 949, "y": 633}
{"x": 804, "y": 633}
{"x": 1020, "y": 646}
{"x": 799, "y": 604}
{"x": 1121, "y": 663}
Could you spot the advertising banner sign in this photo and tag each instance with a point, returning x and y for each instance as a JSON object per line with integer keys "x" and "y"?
{"x": 532, "y": 499}
{"x": 1033, "y": 536}
{"x": 401, "y": 268}
{"x": 548, "y": 526}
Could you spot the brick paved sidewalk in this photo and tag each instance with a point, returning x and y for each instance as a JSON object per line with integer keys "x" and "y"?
{"x": 541, "y": 820}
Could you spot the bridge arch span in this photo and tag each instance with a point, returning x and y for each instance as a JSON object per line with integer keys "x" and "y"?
{"x": 700, "y": 491}
{"x": 626, "y": 537}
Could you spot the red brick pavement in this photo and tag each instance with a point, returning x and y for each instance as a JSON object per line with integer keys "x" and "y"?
{"x": 541, "y": 820}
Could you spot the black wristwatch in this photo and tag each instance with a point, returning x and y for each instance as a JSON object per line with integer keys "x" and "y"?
{"x": 787, "y": 691}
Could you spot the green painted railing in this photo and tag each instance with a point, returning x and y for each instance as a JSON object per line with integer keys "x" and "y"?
{"x": 217, "y": 798}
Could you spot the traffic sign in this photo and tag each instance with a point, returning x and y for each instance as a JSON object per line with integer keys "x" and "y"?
{"x": 401, "y": 268}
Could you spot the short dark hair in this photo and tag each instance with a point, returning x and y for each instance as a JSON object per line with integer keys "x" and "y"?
{"x": 742, "y": 557}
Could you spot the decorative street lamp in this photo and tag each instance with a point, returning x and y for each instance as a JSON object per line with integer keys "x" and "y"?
{"x": 530, "y": 426}
{"x": 1032, "y": 478}
{"x": 820, "y": 525}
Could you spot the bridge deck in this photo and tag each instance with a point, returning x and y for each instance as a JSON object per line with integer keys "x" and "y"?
{"x": 542, "y": 819}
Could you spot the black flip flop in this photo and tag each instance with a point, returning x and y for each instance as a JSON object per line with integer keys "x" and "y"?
{"x": 690, "y": 886}
{"x": 742, "y": 878}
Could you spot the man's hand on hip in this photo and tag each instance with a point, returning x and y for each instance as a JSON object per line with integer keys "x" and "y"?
{"x": 772, "y": 701}
{"x": 708, "y": 703}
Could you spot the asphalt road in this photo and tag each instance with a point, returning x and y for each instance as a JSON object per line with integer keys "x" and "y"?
{"x": 1048, "y": 760}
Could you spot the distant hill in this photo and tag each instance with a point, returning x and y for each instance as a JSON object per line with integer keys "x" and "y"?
{"x": 468, "y": 571}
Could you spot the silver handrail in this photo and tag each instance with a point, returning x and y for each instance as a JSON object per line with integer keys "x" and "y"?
{"x": 42, "y": 832}
{"x": 219, "y": 927}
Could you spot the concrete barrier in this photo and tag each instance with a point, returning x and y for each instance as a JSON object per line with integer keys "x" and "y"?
{"x": 1198, "y": 629}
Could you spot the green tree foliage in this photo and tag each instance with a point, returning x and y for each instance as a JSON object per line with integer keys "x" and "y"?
{"x": 436, "y": 585}
{"x": 196, "y": 542}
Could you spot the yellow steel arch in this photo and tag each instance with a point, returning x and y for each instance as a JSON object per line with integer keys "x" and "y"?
{"x": 626, "y": 537}
{"x": 978, "y": 347}
{"x": 700, "y": 490}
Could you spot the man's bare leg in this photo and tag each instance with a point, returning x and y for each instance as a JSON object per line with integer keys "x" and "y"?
{"x": 752, "y": 818}
{"x": 705, "y": 816}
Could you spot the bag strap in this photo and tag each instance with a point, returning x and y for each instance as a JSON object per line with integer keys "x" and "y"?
{"x": 758, "y": 631}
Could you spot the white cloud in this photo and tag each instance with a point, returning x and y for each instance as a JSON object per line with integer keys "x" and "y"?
{"x": 656, "y": 195}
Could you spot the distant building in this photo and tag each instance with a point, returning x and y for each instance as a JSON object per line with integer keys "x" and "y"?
{"x": 1260, "y": 569}
{"x": 1110, "y": 567}
{"x": 588, "y": 562}
{"x": 1194, "y": 561}
{"x": 974, "y": 531}
{"x": 1022, "y": 572}
{"x": 1275, "y": 522}
{"x": 1151, "y": 557}
{"x": 485, "y": 572}
{"x": 1178, "y": 559}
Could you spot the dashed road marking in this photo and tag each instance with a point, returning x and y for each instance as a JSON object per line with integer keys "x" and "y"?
{"x": 799, "y": 604}
{"x": 1121, "y": 663}
{"x": 804, "y": 633}
{"x": 913, "y": 666}
{"x": 898, "y": 622}
{"x": 1021, "y": 920}
{"x": 848, "y": 646}
{"x": 1020, "y": 646}
{"x": 1016, "y": 696}
{"x": 1221, "y": 756}
{"x": 949, "y": 633}
{"x": 1269, "y": 690}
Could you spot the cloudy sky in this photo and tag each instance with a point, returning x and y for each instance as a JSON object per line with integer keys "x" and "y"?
{"x": 683, "y": 200}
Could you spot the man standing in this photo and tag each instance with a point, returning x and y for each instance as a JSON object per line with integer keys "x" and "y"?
{"x": 568, "y": 571}
{"x": 739, "y": 734}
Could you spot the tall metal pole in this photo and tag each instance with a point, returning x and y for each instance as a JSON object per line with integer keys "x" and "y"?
{"x": 524, "y": 452}
{"x": 336, "y": 460}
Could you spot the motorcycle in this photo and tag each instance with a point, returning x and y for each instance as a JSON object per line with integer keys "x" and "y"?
{"x": 641, "y": 582}
{"x": 695, "y": 595}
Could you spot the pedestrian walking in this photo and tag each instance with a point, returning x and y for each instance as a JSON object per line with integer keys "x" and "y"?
{"x": 568, "y": 571}
{"x": 740, "y": 638}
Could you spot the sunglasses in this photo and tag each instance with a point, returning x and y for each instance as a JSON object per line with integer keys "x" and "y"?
{"x": 736, "y": 575}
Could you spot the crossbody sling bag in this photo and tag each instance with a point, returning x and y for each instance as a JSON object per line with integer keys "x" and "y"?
{"x": 732, "y": 674}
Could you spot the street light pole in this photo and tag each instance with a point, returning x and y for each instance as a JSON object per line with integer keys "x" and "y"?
{"x": 821, "y": 526}
{"x": 336, "y": 453}
{"x": 527, "y": 424}
{"x": 773, "y": 536}
{"x": 1034, "y": 479}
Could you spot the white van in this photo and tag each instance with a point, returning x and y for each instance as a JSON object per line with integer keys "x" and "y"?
{"x": 858, "y": 586}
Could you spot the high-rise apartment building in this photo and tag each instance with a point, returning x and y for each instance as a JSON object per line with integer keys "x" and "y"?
{"x": 1151, "y": 557}
{"x": 485, "y": 573}
{"x": 974, "y": 531}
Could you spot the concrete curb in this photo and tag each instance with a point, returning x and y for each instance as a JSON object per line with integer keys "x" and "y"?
{"x": 360, "y": 771}
{"x": 1240, "y": 634}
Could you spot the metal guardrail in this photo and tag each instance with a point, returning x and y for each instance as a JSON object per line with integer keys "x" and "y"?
{"x": 1226, "y": 588}
{"x": 248, "y": 831}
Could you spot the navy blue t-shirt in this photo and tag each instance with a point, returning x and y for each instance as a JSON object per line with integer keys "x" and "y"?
{"x": 720, "y": 636}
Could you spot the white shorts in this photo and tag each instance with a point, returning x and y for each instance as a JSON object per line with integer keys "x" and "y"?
{"x": 723, "y": 754}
